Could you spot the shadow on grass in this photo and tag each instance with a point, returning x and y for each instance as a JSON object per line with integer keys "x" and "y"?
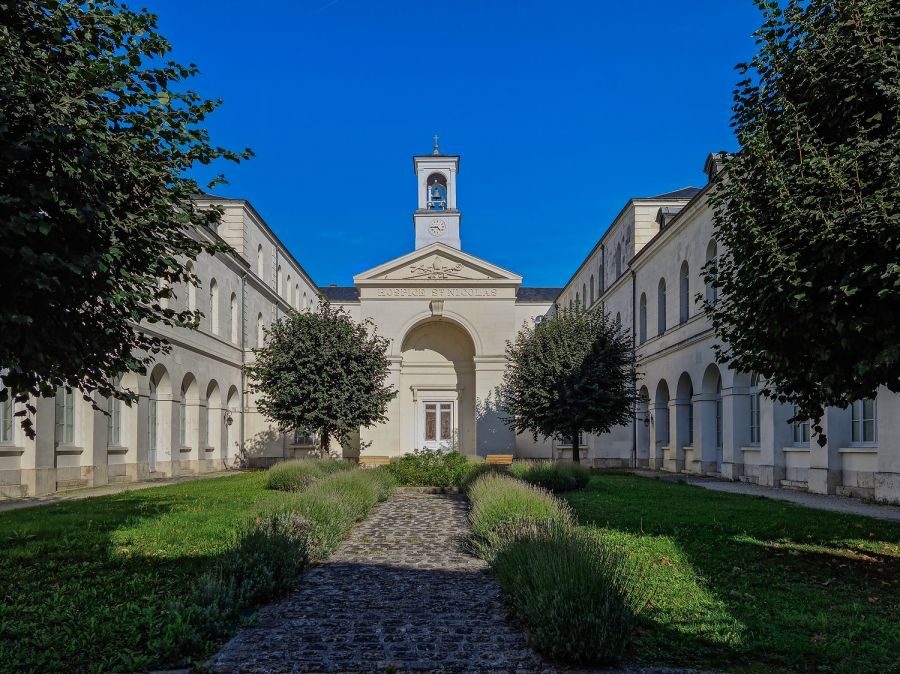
{"x": 740, "y": 580}
{"x": 92, "y": 585}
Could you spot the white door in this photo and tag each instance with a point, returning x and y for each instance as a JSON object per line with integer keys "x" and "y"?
{"x": 438, "y": 426}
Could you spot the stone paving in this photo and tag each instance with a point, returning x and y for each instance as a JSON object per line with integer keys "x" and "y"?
{"x": 401, "y": 594}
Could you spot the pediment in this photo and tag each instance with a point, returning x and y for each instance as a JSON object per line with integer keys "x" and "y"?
{"x": 437, "y": 263}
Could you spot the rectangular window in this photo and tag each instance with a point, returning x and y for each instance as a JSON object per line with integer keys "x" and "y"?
{"x": 719, "y": 416}
{"x": 65, "y": 417}
{"x": 754, "y": 418}
{"x": 567, "y": 444}
{"x": 303, "y": 438}
{"x": 6, "y": 421}
{"x": 152, "y": 425}
{"x": 800, "y": 430}
{"x": 690, "y": 424}
{"x": 115, "y": 422}
{"x": 863, "y": 426}
{"x": 182, "y": 423}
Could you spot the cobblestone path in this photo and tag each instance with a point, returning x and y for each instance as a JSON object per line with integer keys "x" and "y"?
{"x": 401, "y": 594}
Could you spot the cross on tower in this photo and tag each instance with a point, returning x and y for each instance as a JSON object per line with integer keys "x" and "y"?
{"x": 436, "y": 150}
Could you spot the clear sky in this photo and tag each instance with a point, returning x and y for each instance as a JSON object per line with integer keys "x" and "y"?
{"x": 561, "y": 111}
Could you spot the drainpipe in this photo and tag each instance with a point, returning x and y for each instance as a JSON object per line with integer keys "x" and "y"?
{"x": 634, "y": 404}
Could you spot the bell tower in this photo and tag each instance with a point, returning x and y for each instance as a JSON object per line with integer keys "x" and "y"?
{"x": 436, "y": 218}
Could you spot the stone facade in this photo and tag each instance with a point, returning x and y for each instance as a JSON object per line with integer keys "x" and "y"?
{"x": 192, "y": 415}
{"x": 448, "y": 316}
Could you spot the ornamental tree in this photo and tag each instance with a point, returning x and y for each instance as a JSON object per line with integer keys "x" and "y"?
{"x": 96, "y": 215}
{"x": 573, "y": 372}
{"x": 324, "y": 372}
{"x": 809, "y": 209}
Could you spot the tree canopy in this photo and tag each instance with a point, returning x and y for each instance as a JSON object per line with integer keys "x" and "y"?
{"x": 96, "y": 216}
{"x": 321, "y": 371}
{"x": 809, "y": 209}
{"x": 573, "y": 372}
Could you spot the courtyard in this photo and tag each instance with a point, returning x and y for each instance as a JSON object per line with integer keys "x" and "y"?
{"x": 734, "y": 583}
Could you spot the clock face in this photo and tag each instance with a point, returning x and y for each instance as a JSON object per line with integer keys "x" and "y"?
{"x": 437, "y": 227}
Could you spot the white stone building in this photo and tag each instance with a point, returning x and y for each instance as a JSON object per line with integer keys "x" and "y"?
{"x": 191, "y": 416}
{"x": 697, "y": 416}
{"x": 448, "y": 316}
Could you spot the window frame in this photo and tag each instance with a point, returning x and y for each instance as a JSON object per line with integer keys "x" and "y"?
{"x": 858, "y": 421}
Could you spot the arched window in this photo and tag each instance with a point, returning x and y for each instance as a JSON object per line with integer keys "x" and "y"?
{"x": 305, "y": 301}
{"x": 260, "y": 262}
{"x": 661, "y": 307}
{"x": 287, "y": 290}
{"x": 584, "y": 293}
{"x": 214, "y": 306}
{"x": 618, "y": 260}
{"x": 712, "y": 260}
{"x": 642, "y": 321}
{"x": 618, "y": 318}
{"x": 191, "y": 290}
{"x": 601, "y": 280}
{"x": 593, "y": 297}
{"x": 754, "y": 409}
{"x": 297, "y": 296}
{"x": 577, "y": 299}
{"x": 234, "y": 319}
{"x": 684, "y": 290}
{"x": 260, "y": 335}
{"x": 278, "y": 287}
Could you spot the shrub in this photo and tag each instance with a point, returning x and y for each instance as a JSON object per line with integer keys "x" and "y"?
{"x": 557, "y": 477}
{"x": 269, "y": 554}
{"x": 578, "y": 596}
{"x": 299, "y": 474}
{"x": 332, "y": 506}
{"x": 433, "y": 468}
{"x": 503, "y": 506}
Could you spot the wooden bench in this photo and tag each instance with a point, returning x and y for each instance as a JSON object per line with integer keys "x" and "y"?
{"x": 499, "y": 459}
{"x": 373, "y": 460}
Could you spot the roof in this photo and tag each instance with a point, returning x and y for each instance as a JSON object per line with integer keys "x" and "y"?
{"x": 537, "y": 294}
{"x": 340, "y": 293}
{"x": 683, "y": 193}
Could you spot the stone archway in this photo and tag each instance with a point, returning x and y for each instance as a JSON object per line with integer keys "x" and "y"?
{"x": 437, "y": 387}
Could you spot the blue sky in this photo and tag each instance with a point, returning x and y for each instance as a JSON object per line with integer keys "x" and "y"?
{"x": 560, "y": 110}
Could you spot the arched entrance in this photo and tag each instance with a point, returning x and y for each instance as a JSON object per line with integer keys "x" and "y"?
{"x": 437, "y": 388}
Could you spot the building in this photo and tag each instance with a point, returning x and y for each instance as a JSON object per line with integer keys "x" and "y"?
{"x": 696, "y": 416}
{"x": 448, "y": 316}
{"x": 192, "y": 415}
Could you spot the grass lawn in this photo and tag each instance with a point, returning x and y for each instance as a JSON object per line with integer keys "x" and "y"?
{"x": 750, "y": 584}
{"x": 88, "y": 586}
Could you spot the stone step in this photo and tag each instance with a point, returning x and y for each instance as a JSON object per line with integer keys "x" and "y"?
{"x": 796, "y": 485}
{"x": 70, "y": 484}
{"x": 119, "y": 479}
{"x": 12, "y": 491}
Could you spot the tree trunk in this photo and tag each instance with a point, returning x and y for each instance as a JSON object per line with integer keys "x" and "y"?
{"x": 325, "y": 443}
{"x": 576, "y": 453}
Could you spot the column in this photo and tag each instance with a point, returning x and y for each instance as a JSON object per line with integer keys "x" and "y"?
{"x": 38, "y": 463}
{"x": 825, "y": 473}
{"x": 736, "y": 430}
{"x": 887, "y": 435}
{"x": 774, "y": 436}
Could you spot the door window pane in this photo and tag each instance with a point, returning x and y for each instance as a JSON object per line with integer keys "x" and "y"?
{"x": 446, "y": 414}
{"x": 430, "y": 422}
